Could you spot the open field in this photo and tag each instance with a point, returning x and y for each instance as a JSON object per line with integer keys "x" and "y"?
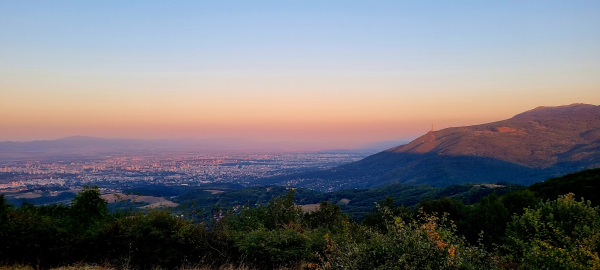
{"x": 163, "y": 203}
{"x": 310, "y": 207}
{"x": 214, "y": 191}
{"x": 28, "y": 195}
{"x": 345, "y": 201}
{"x": 152, "y": 201}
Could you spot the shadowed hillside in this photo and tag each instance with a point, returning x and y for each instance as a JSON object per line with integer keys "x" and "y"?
{"x": 529, "y": 147}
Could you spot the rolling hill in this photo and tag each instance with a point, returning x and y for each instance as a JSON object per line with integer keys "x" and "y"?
{"x": 532, "y": 146}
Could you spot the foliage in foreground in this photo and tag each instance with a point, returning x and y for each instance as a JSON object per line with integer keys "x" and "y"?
{"x": 514, "y": 231}
{"x": 560, "y": 234}
{"x": 97, "y": 267}
{"x": 421, "y": 243}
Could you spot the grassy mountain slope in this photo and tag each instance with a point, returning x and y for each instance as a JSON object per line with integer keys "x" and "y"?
{"x": 535, "y": 145}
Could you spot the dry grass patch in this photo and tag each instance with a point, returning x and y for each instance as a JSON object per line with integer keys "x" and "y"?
{"x": 154, "y": 202}
{"x": 310, "y": 207}
{"x": 214, "y": 191}
{"x": 163, "y": 203}
{"x": 345, "y": 201}
{"x": 28, "y": 196}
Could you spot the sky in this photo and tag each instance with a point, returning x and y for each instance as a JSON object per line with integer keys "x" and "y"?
{"x": 324, "y": 74}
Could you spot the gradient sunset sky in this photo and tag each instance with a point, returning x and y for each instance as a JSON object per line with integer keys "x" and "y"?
{"x": 319, "y": 73}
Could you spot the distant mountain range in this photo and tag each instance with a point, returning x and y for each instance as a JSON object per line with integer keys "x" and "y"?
{"x": 83, "y": 144}
{"x": 78, "y": 146}
{"x": 532, "y": 146}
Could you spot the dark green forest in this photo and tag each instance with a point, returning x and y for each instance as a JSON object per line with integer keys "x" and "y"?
{"x": 554, "y": 224}
{"x": 355, "y": 202}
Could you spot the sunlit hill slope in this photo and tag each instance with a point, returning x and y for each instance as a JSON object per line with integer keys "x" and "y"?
{"x": 529, "y": 147}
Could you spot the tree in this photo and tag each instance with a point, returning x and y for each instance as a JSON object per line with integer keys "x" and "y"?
{"x": 329, "y": 216}
{"x": 456, "y": 210}
{"x": 376, "y": 219}
{"x": 270, "y": 249}
{"x": 89, "y": 206}
{"x": 490, "y": 217}
{"x": 559, "y": 234}
{"x": 516, "y": 201}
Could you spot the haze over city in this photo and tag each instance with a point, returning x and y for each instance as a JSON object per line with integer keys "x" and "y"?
{"x": 329, "y": 75}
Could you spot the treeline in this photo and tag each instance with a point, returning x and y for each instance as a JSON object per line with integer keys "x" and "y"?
{"x": 356, "y": 202}
{"x": 520, "y": 230}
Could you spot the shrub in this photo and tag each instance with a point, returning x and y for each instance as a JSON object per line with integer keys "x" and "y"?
{"x": 559, "y": 234}
{"x": 89, "y": 206}
{"x": 275, "y": 248}
{"x": 423, "y": 243}
{"x": 156, "y": 238}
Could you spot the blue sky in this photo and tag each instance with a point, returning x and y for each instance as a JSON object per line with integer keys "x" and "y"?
{"x": 337, "y": 35}
{"x": 342, "y": 59}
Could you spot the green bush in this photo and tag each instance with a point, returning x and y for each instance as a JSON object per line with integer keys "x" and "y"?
{"x": 423, "y": 243}
{"x": 490, "y": 217}
{"x": 157, "y": 238}
{"x": 275, "y": 248}
{"x": 558, "y": 234}
{"x": 328, "y": 216}
{"x": 88, "y": 206}
{"x": 278, "y": 212}
{"x": 375, "y": 219}
{"x": 28, "y": 237}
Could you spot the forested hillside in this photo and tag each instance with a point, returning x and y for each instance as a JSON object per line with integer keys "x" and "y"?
{"x": 355, "y": 202}
{"x": 584, "y": 184}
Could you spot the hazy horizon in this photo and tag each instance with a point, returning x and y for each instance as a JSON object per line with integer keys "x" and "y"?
{"x": 321, "y": 75}
{"x": 75, "y": 144}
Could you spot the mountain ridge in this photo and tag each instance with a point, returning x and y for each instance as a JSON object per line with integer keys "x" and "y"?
{"x": 531, "y": 146}
{"x": 546, "y": 131}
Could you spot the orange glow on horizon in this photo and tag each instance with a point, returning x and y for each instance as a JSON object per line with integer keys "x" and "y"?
{"x": 324, "y": 114}
{"x": 324, "y": 75}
